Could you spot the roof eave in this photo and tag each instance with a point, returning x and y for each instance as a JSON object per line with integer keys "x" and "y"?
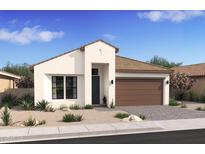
{"x": 143, "y": 71}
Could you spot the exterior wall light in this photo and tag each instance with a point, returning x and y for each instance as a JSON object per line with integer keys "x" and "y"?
{"x": 112, "y": 82}
{"x": 167, "y": 82}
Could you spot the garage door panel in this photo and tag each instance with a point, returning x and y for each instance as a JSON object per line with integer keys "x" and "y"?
{"x": 138, "y": 91}
{"x": 140, "y": 84}
{"x": 137, "y": 87}
{"x": 140, "y": 98}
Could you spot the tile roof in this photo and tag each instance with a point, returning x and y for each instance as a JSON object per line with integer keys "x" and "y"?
{"x": 127, "y": 65}
{"x": 192, "y": 70}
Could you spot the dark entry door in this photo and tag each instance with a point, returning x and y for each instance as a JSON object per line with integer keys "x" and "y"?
{"x": 95, "y": 90}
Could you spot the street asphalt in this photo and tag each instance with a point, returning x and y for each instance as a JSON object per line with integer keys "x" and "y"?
{"x": 172, "y": 137}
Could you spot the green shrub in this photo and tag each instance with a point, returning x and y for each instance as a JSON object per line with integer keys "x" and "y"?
{"x": 75, "y": 107}
{"x": 27, "y": 105}
{"x": 30, "y": 122}
{"x": 33, "y": 122}
{"x": 27, "y": 97}
{"x": 143, "y": 117}
{"x": 41, "y": 105}
{"x": 173, "y": 102}
{"x": 122, "y": 115}
{"x": 5, "y": 116}
{"x": 193, "y": 96}
{"x": 9, "y": 100}
{"x": 26, "y": 102}
{"x": 49, "y": 109}
{"x": 72, "y": 118}
{"x": 88, "y": 106}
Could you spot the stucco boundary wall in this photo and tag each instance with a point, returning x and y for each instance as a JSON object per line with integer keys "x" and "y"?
{"x": 19, "y": 92}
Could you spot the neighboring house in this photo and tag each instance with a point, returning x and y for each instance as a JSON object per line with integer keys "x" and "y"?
{"x": 7, "y": 81}
{"x": 197, "y": 72}
{"x": 88, "y": 74}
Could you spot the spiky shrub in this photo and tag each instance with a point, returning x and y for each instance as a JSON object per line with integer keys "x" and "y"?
{"x": 49, "y": 109}
{"x": 173, "y": 102}
{"x": 75, "y": 107}
{"x": 72, "y": 118}
{"x": 88, "y": 106}
{"x": 9, "y": 100}
{"x": 41, "y": 105}
{"x": 121, "y": 115}
{"x": 30, "y": 122}
{"x": 27, "y": 105}
{"x": 5, "y": 116}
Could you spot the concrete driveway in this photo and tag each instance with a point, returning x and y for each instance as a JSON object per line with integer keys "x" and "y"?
{"x": 159, "y": 112}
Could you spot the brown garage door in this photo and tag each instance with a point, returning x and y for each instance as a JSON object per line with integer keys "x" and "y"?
{"x": 138, "y": 92}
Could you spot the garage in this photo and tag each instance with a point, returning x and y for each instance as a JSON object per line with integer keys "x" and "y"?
{"x": 139, "y": 91}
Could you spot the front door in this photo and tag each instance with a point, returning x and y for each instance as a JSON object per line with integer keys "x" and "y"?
{"x": 95, "y": 90}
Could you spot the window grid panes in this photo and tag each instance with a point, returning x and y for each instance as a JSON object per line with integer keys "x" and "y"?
{"x": 71, "y": 87}
{"x": 57, "y": 87}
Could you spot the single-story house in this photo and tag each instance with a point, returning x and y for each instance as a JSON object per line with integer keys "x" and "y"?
{"x": 7, "y": 81}
{"x": 95, "y": 74}
{"x": 197, "y": 72}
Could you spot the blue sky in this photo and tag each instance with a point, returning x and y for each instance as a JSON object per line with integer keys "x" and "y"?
{"x": 32, "y": 36}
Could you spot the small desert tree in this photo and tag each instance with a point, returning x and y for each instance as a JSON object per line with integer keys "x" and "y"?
{"x": 24, "y": 82}
{"x": 179, "y": 84}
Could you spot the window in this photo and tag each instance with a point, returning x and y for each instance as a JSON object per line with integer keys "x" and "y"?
{"x": 71, "y": 87}
{"x": 94, "y": 71}
{"x": 57, "y": 87}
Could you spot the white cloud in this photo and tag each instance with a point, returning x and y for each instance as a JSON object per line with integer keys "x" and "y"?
{"x": 13, "y": 21}
{"x": 28, "y": 35}
{"x": 173, "y": 16}
{"x": 109, "y": 37}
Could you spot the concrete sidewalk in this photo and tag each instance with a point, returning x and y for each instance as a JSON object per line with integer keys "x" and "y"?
{"x": 89, "y": 130}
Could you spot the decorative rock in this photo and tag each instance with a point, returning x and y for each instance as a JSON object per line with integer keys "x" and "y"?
{"x": 132, "y": 118}
{"x": 126, "y": 119}
{"x": 65, "y": 109}
{"x": 37, "y": 122}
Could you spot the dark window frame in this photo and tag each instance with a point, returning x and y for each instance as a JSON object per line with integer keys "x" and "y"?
{"x": 72, "y": 90}
{"x": 57, "y": 87}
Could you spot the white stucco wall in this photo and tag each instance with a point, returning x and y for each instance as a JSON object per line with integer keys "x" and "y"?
{"x": 78, "y": 63}
{"x": 100, "y": 53}
{"x": 65, "y": 65}
{"x": 165, "y": 78}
